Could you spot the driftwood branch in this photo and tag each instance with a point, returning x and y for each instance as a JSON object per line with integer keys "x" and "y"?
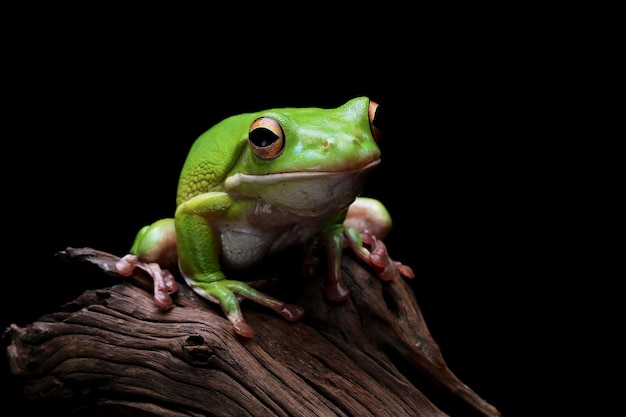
{"x": 112, "y": 351}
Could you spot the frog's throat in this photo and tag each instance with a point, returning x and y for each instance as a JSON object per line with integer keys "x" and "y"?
{"x": 307, "y": 193}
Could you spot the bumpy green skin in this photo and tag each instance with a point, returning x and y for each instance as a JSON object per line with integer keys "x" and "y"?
{"x": 234, "y": 207}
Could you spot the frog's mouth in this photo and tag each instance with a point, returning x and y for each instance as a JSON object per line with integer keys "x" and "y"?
{"x": 306, "y": 193}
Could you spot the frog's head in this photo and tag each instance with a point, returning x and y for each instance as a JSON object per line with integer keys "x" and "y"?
{"x": 310, "y": 161}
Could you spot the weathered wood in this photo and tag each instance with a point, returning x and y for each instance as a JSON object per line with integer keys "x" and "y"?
{"x": 113, "y": 351}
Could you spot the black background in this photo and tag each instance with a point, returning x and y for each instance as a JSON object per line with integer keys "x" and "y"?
{"x": 100, "y": 123}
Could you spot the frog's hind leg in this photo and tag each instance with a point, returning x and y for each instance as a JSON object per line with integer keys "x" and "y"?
{"x": 164, "y": 282}
{"x": 154, "y": 251}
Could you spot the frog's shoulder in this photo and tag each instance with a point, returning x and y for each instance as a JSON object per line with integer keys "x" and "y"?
{"x": 212, "y": 156}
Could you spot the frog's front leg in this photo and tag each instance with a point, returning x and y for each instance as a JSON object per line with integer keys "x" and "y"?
{"x": 366, "y": 223}
{"x": 225, "y": 293}
{"x": 199, "y": 247}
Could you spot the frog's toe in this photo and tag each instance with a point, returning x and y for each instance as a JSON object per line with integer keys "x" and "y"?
{"x": 405, "y": 270}
{"x": 292, "y": 312}
{"x": 126, "y": 265}
{"x": 378, "y": 254}
{"x": 220, "y": 293}
{"x": 242, "y": 328}
{"x": 336, "y": 290}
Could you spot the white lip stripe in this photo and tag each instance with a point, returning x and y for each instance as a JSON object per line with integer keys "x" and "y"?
{"x": 235, "y": 180}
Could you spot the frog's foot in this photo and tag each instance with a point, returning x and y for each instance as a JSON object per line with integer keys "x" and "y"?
{"x": 336, "y": 289}
{"x": 377, "y": 256}
{"x": 227, "y": 293}
{"x": 164, "y": 281}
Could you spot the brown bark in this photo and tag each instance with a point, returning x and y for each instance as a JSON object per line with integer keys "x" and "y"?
{"x": 112, "y": 351}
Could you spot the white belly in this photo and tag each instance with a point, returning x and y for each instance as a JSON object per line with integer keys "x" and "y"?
{"x": 245, "y": 245}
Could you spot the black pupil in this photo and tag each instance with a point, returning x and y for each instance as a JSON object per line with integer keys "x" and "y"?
{"x": 380, "y": 118}
{"x": 262, "y": 137}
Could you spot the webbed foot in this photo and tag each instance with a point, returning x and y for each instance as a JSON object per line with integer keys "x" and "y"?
{"x": 377, "y": 256}
{"x": 164, "y": 282}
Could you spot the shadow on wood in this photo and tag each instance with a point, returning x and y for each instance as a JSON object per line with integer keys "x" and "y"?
{"x": 112, "y": 351}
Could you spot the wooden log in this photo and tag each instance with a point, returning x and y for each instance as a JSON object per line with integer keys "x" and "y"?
{"x": 112, "y": 351}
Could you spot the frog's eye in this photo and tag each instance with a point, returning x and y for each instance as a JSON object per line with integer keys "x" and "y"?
{"x": 375, "y": 122}
{"x": 266, "y": 138}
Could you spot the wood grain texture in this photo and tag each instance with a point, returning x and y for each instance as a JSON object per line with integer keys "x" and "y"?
{"x": 112, "y": 351}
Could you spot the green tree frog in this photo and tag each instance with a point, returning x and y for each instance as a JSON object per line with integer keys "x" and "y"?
{"x": 258, "y": 183}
